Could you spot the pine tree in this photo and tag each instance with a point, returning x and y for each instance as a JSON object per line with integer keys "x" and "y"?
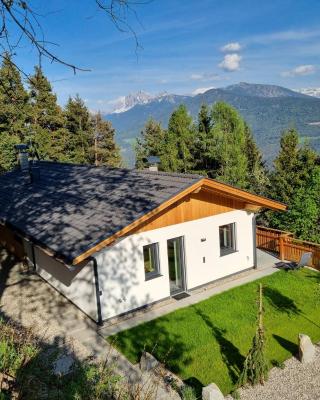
{"x": 105, "y": 149}
{"x": 257, "y": 172}
{"x": 149, "y": 143}
{"x": 255, "y": 369}
{"x": 14, "y": 107}
{"x": 201, "y": 161}
{"x": 226, "y": 146}
{"x": 80, "y": 127}
{"x": 14, "y": 111}
{"x": 46, "y": 119}
{"x": 178, "y": 142}
{"x": 292, "y": 169}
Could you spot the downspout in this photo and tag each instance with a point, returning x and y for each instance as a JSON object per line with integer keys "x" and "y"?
{"x": 98, "y": 291}
{"x": 33, "y": 257}
{"x": 254, "y": 233}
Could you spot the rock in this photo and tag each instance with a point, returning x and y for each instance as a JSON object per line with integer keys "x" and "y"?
{"x": 212, "y": 392}
{"x": 148, "y": 362}
{"x": 63, "y": 365}
{"x": 306, "y": 349}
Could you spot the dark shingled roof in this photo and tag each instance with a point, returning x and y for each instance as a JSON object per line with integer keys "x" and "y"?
{"x": 71, "y": 208}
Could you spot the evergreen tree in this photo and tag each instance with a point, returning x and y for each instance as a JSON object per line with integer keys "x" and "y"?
{"x": 226, "y": 149}
{"x": 255, "y": 369}
{"x": 257, "y": 172}
{"x": 14, "y": 106}
{"x": 178, "y": 142}
{"x": 105, "y": 149}
{"x": 149, "y": 143}
{"x": 14, "y": 111}
{"x": 80, "y": 127}
{"x": 201, "y": 161}
{"x": 292, "y": 169}
{"x": 46, "y": 119}
{"x": 303, "y": 215}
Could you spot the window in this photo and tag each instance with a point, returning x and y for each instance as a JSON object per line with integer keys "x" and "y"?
{"x": 227, "y": 239}
{"x": 151, "y": 260}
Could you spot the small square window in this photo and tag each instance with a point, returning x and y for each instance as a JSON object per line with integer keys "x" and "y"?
{"x": 151, "y": 260}
{"x": 227, "y": 239}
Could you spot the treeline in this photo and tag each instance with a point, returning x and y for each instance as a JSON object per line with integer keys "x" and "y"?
{"x": 220, "y": 145}
{"x": 32, "y": 114}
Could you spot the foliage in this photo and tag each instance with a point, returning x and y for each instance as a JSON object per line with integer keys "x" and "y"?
{"x": 208, "y": 341}
{"x": 104, "y": 148}
{"x": 257, "y": 171}
{"x": 35, "y": 116}
{"x": 178, "y": 142}
{"x": 80, "y": 128}
{"x": 46, "y": 122}
{"x": 228, "y": 146}
{"x": 295, "y": 181}
{"x": 149, "y": 143}
{"x": 255, "y": 368}
{"x": 188, "y": 393}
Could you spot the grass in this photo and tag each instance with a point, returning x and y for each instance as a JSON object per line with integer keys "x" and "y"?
{"x": 207, "y": 342}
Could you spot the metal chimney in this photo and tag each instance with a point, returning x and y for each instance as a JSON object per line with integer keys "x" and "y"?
{"x": 23, "y": 156}
{"x": 153, "y": 162}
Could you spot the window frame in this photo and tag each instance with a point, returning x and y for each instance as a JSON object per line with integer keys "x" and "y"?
{"x": 155, "y": 253}
{"x": 233, "y": 248}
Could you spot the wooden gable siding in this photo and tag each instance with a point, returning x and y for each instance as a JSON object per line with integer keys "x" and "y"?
{"x": 191, "y": 207}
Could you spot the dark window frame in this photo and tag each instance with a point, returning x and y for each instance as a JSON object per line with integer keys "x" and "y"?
{"x": 155, "y": 257}
{"x": 224, "y": 251}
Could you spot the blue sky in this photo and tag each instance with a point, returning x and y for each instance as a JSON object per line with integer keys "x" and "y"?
{"x": 186, "y": 45}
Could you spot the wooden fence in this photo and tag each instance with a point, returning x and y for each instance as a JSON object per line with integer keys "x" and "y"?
{"x": 286, "y": 246}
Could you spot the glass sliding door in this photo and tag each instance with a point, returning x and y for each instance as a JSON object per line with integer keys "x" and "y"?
{"x": 176, "y": 265}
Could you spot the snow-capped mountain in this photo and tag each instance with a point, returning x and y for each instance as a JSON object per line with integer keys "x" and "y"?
{"x": 125, "y": 103}
{"x": 315, "y": 92}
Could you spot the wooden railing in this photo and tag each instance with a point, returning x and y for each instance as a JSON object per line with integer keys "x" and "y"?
{"x": 286, "y": 246}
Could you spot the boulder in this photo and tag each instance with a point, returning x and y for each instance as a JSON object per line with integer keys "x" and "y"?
{"x": 306, "y": 349}
{"x": 212, "y": 392}
{"x": 148, "y": 362}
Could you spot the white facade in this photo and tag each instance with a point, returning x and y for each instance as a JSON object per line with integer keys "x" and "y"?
{"x": 121, "y": 267}
{"x": 75, "y": 283}
{"x": 121, "y": 275}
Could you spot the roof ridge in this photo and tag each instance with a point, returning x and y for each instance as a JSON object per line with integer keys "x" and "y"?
{"x": 135, "y": 170}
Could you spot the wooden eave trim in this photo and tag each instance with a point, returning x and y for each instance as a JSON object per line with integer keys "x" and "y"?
{"x": 137, "y": 222}
{"x": 203, "y": 183}
{"x": 242, "y": 195}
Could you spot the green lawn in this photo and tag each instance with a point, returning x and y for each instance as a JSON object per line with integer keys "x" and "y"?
{"x": 207, "y": 342}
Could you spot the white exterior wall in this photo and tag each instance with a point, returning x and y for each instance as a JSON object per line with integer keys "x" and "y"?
{"x": 121, "y": 267}
{"x": 77, "y": 284}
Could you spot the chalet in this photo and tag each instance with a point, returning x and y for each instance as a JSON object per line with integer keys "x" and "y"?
{"x": 115, "y": 240}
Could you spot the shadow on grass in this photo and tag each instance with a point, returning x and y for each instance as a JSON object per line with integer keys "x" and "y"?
{"x": 287, "y": 344}
{"x": 168, "y": 347}
{"x": 230, "y": 354}
{"x": 284, "y": 304}
{"x": 281, "y": 302}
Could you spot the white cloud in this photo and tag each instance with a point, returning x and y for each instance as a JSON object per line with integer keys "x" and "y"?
{"x": 201, "y": 90}
{"x": 231, "y": 47}
{"x": 301, "y": 70}
{"x": 205, "y": 77}
{"x": 283, "y": 36}
{"x": 231, "y": 62}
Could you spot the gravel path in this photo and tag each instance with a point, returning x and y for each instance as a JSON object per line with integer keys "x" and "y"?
{"x": 296, "y": 381}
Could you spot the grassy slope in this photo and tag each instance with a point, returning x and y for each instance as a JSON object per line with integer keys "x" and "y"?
{"x": 207, "y": 342}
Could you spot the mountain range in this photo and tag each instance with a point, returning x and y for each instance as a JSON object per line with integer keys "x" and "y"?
{"x": 268, "y": 109}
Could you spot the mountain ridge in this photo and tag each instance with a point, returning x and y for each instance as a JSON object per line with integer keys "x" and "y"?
{"x": 268, "y": 109}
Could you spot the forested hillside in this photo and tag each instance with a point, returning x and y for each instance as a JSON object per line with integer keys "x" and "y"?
{"x": 267, "y": 109}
